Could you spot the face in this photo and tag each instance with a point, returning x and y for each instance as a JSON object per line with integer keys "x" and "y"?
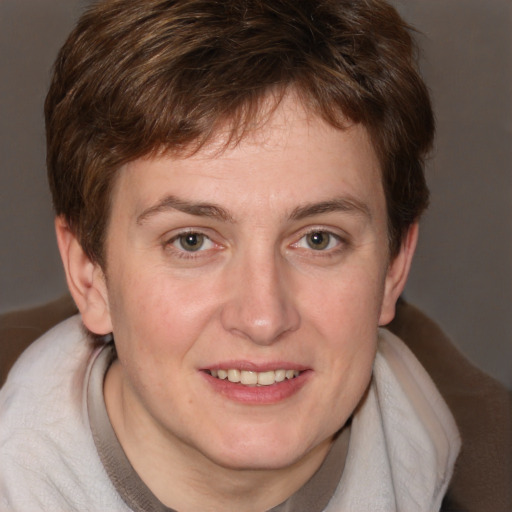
{"x": 265, "y": 263}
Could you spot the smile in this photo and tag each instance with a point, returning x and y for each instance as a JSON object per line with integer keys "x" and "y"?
{"x": 250, "y": 378}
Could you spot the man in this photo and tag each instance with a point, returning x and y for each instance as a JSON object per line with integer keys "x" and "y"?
{"x": 237, "y": 188}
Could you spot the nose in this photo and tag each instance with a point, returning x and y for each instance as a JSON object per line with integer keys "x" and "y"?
{"x": 260, "y": 307}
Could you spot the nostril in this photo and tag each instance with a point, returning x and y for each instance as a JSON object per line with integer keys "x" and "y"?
{"x": 259, "y": 307}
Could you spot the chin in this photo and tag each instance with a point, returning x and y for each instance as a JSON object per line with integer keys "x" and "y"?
{"x": 260, "y": 451}
{"x": 257, "y": 462}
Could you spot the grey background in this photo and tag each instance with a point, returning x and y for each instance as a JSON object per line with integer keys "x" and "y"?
{"x": 462, "y": 275}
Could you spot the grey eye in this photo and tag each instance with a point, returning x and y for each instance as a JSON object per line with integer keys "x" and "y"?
{"x": 191, "y": 241}
{"x": 318, "y": 240}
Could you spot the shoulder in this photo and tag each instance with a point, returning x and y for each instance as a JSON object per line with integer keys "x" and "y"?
{"x": 482, "y": 408}
{"x": 48, "y": 455}
{"x": 18, "y": 329}
{"x": 42, "y": 397}
{"x": 52, "y": 366}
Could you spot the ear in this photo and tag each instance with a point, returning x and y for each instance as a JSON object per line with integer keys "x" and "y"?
{"x": 397, "y": 273}
{"x": 85, "y": 279}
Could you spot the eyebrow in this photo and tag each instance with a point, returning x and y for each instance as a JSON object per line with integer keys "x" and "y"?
{"x": 340, "y": 204}
{"x": 181, "y": 205}
{"x": 200, "y": 209}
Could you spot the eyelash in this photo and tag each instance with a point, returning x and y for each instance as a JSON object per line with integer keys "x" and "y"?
{"x": 182, "y": 252}
{"x": 340, "y": 243}
{"x": 327, "y": 251}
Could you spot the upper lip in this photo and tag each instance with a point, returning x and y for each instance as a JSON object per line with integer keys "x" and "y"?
{"x": 256, "y": 367}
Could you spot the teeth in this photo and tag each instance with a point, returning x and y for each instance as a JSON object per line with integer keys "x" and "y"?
{"x": 234, "y": 375}
{"x": 249, "y": 378}
{"x": 266, "y": 378}
{"x": 280, "y": 375}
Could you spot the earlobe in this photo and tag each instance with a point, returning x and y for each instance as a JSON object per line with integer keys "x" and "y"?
{"x": 397, "y": 274}
{"x": 86, "y": 281}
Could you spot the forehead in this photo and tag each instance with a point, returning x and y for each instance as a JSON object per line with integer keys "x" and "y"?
{"x": 290, "y": 158}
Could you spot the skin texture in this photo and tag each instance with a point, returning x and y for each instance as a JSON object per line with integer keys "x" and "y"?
{"x": 258, "y": 293}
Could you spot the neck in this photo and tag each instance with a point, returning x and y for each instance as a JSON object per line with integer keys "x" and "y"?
{"x": 200, "y": 484}
{"x": 197, "y": 482}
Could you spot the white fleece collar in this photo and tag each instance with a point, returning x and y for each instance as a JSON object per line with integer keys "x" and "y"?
{"x": 404, "y": 441}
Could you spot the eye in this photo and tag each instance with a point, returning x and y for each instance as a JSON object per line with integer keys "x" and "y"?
{"x": 191, "y": 242}
{"x": 318, "y": 240}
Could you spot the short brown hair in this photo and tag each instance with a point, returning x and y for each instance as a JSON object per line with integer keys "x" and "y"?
{"x": 139, "y": 76}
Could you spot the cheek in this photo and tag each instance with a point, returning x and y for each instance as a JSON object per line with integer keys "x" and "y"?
{"x": 154, "y": 313}
{"x": 349, "y": 369}
{"x": 345, "y": 317}
{"x": 349, "y": 301}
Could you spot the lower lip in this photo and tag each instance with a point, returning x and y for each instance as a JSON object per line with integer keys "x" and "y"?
{"x": 258, "y": 395}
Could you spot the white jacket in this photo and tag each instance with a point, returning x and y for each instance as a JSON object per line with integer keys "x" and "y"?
{"x": 403, "y": 442}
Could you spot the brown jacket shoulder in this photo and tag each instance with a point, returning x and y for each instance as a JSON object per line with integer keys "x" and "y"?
{"x": 482, "y": 407}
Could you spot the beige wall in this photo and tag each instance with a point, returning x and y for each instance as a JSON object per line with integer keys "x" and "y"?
{"x": 463, "y": 271}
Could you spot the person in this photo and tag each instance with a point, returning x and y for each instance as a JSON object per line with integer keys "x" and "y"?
{"x": 237, "y": 188}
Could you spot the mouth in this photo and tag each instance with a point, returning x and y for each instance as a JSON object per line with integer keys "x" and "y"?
{"x": 247, "y": 384}
{"x": 252, "y": 378}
